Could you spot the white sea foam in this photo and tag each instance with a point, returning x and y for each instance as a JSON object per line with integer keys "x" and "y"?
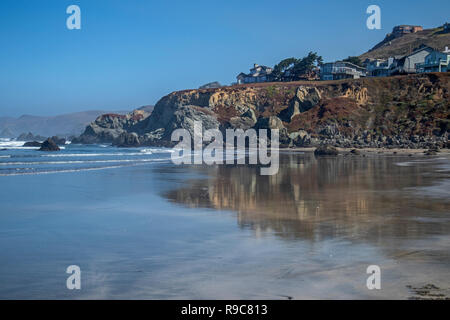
{"x": 58, "y": 171}
{"x": 11, "y": 144}
{"x": 82, "y": 161}
{"x": 158, "y": 150}
{"x": 149, "y": 161}
{"x": 94, "y": 154}
{"x": 18, "y": 145}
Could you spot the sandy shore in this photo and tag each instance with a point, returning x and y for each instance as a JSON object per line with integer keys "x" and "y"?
{"x": 372, "y": 150}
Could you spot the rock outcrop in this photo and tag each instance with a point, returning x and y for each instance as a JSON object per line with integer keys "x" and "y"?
{"x": 326, "y": 151}
{"x": 127, "y": 140}
{"x": 404, "y": 111}
{"x": 49, "y": 145}
{"x": 304, "y": 99}
{"x": 32, "y": 144}
{"x": 109, "y": 127}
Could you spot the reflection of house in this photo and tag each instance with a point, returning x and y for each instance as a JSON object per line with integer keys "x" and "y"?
{"x": 436, "y": 61}
{"x": 341, "y": 70}
{"x": 257, "y": 74}
{"x": 407, "y": 64}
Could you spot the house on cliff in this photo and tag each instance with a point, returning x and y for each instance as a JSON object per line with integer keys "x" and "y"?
{"x": 378, "y": 67}
{"x": 341, "y": 70}
{"x": 436, "y": 61}
{"x": 407, "y": 64}
{"x": 257, "y": 74}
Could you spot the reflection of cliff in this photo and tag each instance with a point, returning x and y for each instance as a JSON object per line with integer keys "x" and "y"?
{"x": 318, "y": 198}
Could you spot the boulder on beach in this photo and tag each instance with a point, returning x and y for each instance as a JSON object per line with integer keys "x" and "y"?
{"x": 49, "y": 145}
{"x": 326, "y": 151}
{"x": 32, "y": 144}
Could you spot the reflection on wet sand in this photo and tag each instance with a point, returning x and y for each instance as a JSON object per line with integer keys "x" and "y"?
{"x": 371, "y": 199}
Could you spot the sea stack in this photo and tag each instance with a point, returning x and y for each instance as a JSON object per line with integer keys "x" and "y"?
{"x": 49, "y": 145}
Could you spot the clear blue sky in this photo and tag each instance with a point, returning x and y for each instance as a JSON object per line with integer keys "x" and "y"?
{"x": 132, "y": 52}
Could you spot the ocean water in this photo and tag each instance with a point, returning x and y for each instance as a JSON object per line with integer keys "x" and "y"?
{"x": 140, "y": 227}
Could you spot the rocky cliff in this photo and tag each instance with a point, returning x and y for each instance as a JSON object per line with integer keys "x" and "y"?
{"x": 404, "y": 111}
{"x": 111, "y": 128}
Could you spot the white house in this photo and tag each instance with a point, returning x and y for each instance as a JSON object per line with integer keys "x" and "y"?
{"x": 407, "y": 64}
{"x": 341, "y": 70}
{"x": 257, "y": 74}
{"x": 436, "y": 61}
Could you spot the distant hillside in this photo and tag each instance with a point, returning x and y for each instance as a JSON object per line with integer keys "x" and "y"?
{"x": 148, "y": 108}
{"x": 64, "y": 125}
{"x": 403, "y": 45}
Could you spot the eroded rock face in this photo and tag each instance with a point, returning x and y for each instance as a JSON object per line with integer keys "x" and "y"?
{"x": 300, "y": 138}
{"x": 305, "y": 98}
{"x": 167, "y": 119}
{"x": 108, "y": 127}
{"x": 408, "y": 111}
{"x": 274, "y": 123}
{"x": 127, "y": 140}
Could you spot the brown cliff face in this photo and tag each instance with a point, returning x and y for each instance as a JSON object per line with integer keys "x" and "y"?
{"x": 403, "y": 111}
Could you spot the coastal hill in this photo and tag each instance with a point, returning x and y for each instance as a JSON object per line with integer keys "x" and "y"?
{"x": 401, "y": 44}
{"x": 402, "y": 111}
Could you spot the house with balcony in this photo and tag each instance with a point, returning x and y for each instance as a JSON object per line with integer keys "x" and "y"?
{"x": 378, "y": 67}
{"x": 407, "y": 64}
{"x": 341, "y": 70}
{"x": 257, "y": 74}
{"x": 436, "y": 61}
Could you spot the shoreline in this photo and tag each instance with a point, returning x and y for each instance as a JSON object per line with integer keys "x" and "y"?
{"x": 369, "y": 150}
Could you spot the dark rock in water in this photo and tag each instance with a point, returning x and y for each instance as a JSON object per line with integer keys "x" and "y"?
{"x": 127, "y": 140}
{"x": 49, "y": 145}
{"x": 326, "y": 151}
{"x": 355, "y": 152}
{"x": 58, "y": 141}
{"x": 32, "y": 144}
